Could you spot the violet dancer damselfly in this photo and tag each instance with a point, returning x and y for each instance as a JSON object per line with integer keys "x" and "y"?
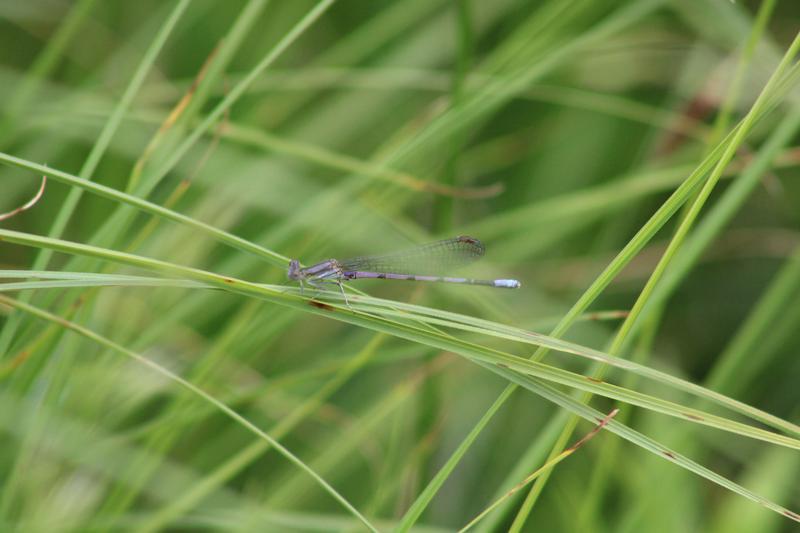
{"x": 415, "y": 264}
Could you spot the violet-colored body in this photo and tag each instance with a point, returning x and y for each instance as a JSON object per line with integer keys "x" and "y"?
{"x": 416, "y": 264}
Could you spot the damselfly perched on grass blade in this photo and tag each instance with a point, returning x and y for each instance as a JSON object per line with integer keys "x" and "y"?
{"x": 415, "y": 264}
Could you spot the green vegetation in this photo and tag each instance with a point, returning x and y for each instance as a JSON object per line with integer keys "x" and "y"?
{"x": 631, "y": 163}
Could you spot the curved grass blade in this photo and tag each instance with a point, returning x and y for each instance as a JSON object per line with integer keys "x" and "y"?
{"x": 27, "y": 205}
{"x": 236, "y": 417}
{"x": 431, "y": 337}
{"x": 483, "y": 356}
{"x": 415, "y": 333}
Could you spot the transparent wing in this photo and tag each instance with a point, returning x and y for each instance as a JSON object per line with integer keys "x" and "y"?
{"x": 434, "y": 258}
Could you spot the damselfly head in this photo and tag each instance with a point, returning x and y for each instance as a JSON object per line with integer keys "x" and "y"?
{"x": 294, "y": 270}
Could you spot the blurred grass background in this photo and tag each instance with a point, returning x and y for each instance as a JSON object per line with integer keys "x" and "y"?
{"x": 551, "y": 130}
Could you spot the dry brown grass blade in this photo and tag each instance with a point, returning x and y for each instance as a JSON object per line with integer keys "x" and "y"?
{"x": 30, "y": 203}
{"x": 547, "y": 466}
{"x": 171, "y": 119}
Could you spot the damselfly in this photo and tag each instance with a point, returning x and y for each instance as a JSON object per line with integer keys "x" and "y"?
{"x": 416, "y": 264}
